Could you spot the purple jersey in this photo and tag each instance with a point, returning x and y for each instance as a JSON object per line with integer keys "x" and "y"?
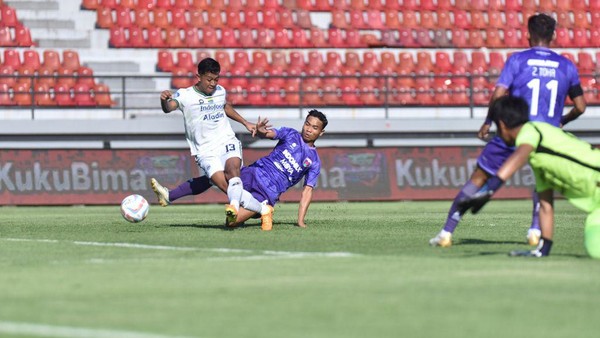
{"x": 543, "y": 78}
{"x": 290, "y": 161}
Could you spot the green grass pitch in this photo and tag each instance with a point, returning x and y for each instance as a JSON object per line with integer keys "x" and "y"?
{"x": 358, "y": 270}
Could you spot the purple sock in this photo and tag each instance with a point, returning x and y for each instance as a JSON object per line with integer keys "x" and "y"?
{"x": 535, "y": 214}
{"x": 469, "y": 189}
{"x": 194, "y": 186}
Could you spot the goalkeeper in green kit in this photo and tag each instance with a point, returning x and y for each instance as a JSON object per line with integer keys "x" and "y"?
{"x": 560, "y": 161}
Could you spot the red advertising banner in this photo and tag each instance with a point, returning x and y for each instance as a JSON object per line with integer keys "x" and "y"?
{"x": 64, "y": 177}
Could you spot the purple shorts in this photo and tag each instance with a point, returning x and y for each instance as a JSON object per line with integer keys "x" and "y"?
{"x": 251, "y": 179}
{"x": 493, "y": 155}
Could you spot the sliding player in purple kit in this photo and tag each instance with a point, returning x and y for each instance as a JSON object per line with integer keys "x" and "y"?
{"x": 543, "y": 79}
{"x": 293, "y": 158}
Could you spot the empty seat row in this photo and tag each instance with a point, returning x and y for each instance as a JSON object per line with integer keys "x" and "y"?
{"x": 444, "y": 5}
{"x": 216, "y": 18}
{"x": 185, "y": 4}
{"x": 384, "y": 62}
{"x": 49, "y": 58}
{"x": 156, "y": 37}
{"x": 44, "y": 95}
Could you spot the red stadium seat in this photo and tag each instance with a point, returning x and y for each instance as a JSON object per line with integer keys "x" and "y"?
{"x": 102, "y": 96}
{"x": 7, "y": 75}
{"x": 12, "y": 58}
{"x": 424, "y": 64}
{"x": 424, "y": 38}
{"x": 145, "y": 4}
{"x": 62, "y": 95}
{"x": 278, "y": 60}
{"x": 338, "y": 19}
{"x": 87, "y": 4}
{"x": 303, "y": 19}
{"x": 406, "y": 38}
{"x": 585, "y": 62}
{"x": 260, "y": 61}
{"x": 160, "y": 18}
{"x": 209, "y": 37}
{"x": 265, "y": 38}
{"x": 251, "y": 19}
{"x": 182, "y": 78}
{"x": 51, "y": 59}
{"x": 142, "y": 18}
{"x": 269, "y": 19}
{"x": 85, "y": 75}
{"x": 300, "y": 38}
{"x": 70, "y": 59}
{"x": 512, "y": 19}
{"x": 185, "y": 4}
{"x": 166, "y": 4}
{"x": 545, "y": 6}
{"x": 443, "y": 20}
{"x": 112, "y": 4}
{"x": 562, "y": 38}
{"x": 83, "y": 95}
{"x": 246, "y": 38}
{"x": 200, "y": 4}
{"x": 580, "y": 38}
{"x": 476, "y": 39}
{"x": 104, "y": 18}
{"x": 511, "y": 38}
{"x": 496, "y": 63}
{"x": 335, "y": 38}
{"x": 165, "y": 61}
{"x": 46, "y": 76}
{"x": 317, "y": 38}
{"x": 478, "y": 63}
{"x": 461, "y": 20}
{"x": 192, "y": 38}
{"x": 22, "y": 95}
{"x": 31, "y": 58}
{"x": 284, "y": 38}
{"x": 123, "y": 17}
{"x": 426, "y": 20}
{"x": 442, "y": 63}
{"x": 26, "y": 75}
{"x": 478, "y": 20}
{"x": 409, "y": 19}
{"x": 234, "y": 19}
{"x": 178, "y": 18}
{"x": 492, "y": 38}
{"x": 185, "y": 60}
{"x": 286, "y": 19}
{"x": 392, "y": 19}
{"x": 6, "y": 39}
{"x": 65, "y": 76}
{"x": 136, "y": 38}
{"x": 241, "y": 60}
{"x": 595, "y": 36}
{"x": 374, "y": 20}
{"x": 174, "y": 39}
{"x": 441, "y": 39}
{"x": 228, "y": 38}
{"x": 117, "y": 37}
{"x": 42, "y": 95}
{"x": 215, "y": 19}
{"x": 155, "y": 38}
{"x": 196, "y": 18}
{"x": 594, "y": 5}
{"x": 494, "y": 19}
{"x": 9, "y": 16}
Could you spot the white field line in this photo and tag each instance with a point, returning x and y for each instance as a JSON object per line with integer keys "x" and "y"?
{"x": 41, "y": 330}
{"x": 254, "y": 254}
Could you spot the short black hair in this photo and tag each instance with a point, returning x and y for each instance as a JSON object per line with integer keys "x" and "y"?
{"x": 512, "y": 110}
{"x": 541, "y": 27}
{"x": 209, "y": 65}
{"x": 318, "y": 115}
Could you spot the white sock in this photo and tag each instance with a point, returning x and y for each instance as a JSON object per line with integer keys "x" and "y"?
{"x": 234, "y": 191}
{"x": 249, "y": 202}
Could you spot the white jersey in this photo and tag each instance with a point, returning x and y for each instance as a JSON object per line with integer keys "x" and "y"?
{"x": 207, "y": 126}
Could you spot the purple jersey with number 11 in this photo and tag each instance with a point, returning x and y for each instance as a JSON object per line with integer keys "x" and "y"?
{"x": 288, "y": 162}
{"x": 543, "y": 78}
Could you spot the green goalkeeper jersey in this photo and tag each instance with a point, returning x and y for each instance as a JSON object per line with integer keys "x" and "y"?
{"x": 562, "y": 162}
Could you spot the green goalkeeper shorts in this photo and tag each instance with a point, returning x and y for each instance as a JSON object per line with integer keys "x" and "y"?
{"x": 592, "y": 234}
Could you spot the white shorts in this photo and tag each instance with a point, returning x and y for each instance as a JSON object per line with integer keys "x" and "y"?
{"x": 212, "y": 162}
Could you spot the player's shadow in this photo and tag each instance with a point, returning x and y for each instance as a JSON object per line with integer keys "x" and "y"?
{"x": 221, "y": 227}
{"x": 478, "y": 241}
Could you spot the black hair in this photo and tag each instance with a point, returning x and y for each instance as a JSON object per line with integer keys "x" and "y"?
{"x": 512, "y": 110}
{"x": 541, "y": 28}
{"x": 209, "y": 65}
{"x": 318, "y": 115}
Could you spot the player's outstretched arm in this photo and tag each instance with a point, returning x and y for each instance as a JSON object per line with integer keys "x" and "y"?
{"x": 305, "y": 200}
{"x": 263, "y": 129}
{"x": 166, "y": 101}
{"x": 579, "y": 108}
{"x": 234, "y": 115}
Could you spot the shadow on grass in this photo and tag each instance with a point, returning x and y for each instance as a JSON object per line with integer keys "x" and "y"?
{"x": 477, "y": 241}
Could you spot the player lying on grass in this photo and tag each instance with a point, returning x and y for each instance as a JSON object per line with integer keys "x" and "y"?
{"x": 544, "y": 79}
{"x": 206, "y": 114}
{"x": 293, "y": 158}
{"x": 560, "y": 162}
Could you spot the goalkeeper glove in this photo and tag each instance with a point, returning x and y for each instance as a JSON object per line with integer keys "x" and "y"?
{"x": 477, "y": 201}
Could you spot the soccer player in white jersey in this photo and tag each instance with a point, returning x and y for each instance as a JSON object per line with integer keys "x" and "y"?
{"x": 208, "y": 132}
